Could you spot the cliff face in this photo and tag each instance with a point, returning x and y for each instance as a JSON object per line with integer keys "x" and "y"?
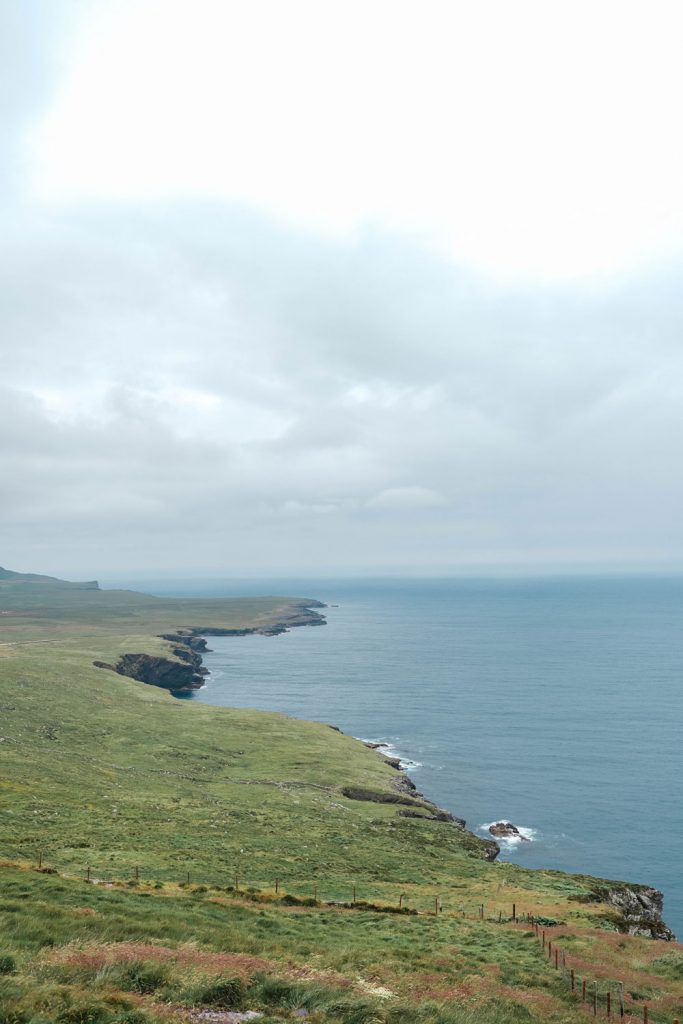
{"x": 638, "y": 909}
{"x": 171, "y": 675}
{"x": 188, "y": 645}
{"x": 641, "y": 910}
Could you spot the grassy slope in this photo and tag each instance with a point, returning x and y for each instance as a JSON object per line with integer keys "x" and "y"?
{"x": 99, "y": 770}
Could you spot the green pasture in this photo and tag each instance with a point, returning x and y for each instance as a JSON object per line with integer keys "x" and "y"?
{"x": 164, "y": 828}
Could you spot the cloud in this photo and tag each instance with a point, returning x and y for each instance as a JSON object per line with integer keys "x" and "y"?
{"x": 406, "y": 498}
{"x": 196, "y": 384}
{"x": 178, "y": 388}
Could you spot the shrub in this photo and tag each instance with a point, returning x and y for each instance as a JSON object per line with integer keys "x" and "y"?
{"x": 8, "y": 965}
{"x": 8, "y": 1016}
{"x": 144, "y": 978}
{"x": 85, "y": 1013}
{"x": 671, "y": 965}
{"x": 226, "y": 995}
{"x": 352, "y": 1011}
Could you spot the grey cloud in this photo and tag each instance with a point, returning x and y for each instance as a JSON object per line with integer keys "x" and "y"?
{"x": 540, "y": 431}
{"x": 193, "y": 385}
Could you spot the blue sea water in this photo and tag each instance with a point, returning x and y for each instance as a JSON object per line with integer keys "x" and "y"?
{"x": 554, "y": 703}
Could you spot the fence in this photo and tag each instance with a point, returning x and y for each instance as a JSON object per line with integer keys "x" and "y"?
{"x": 607, "y": 996}
{"x": 596, "y": 996}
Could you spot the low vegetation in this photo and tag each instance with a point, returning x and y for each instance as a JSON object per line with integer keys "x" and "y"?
{"x": 165, "y": 859}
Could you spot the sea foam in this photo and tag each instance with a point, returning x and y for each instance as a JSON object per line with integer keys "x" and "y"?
{"x": 525, "y": 832}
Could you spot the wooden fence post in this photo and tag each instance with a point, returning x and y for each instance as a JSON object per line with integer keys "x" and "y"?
{"x": 188, "y": 877}
{"x": 595, "y": 998}
{"x": 645, "y": 1015}
{"x": 277, "y": 886}
{"x": 87, "y": 874}
{"x": 583, "y": 991}
{"x": 609, "y": 1003}
{"x": 514, "y": 913}
{"x": 354, "y": 895}
{"x": 400, "y": 900}
{"x": 40, "y": 859}
{"x": 572, "y": 979}
{"x": 621, "y": 999}
{"x": 137, "y": 872}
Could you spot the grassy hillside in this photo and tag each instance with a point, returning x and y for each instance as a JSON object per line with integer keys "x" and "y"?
{"x": 171, "y": 824}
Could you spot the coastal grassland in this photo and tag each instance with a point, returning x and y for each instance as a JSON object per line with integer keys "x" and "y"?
{"x": 77, "y": 952}
{"x": 47, "y": 612}
{"x": 107, "y": 776}
{"x": 103, "y": 771}
{"x": 75, "y": 948}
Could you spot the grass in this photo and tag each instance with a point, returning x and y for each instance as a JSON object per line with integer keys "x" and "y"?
{"x": 108, "y": 777}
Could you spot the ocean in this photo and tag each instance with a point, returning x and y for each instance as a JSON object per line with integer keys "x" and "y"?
{"x": 556, "y": 704}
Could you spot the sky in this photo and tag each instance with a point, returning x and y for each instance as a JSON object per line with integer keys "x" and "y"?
{"x": 340, "y": 287}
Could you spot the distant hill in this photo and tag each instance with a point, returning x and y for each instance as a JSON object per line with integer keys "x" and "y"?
{"x": 8, "y": 576}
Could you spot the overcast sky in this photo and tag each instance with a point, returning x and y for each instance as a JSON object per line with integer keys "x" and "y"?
{"x": 338, "y": 286}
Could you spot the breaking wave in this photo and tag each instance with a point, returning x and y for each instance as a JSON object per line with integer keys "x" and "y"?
{"x": 525, "y": 833}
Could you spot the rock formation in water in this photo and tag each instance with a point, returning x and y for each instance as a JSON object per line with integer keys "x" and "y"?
{"x": 506, "y": 830}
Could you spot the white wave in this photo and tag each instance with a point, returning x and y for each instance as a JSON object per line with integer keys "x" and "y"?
{"x": 406, "y": 764}
{"x": 525, "y": 832}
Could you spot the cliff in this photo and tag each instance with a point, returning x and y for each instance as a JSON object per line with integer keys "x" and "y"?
{"x": 185, "y": 672}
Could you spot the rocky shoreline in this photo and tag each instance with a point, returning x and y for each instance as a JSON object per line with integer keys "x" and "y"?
{"x": 417, "y": 805}
{"x": 185, "y": 672}
{"x": 637, "y": 908}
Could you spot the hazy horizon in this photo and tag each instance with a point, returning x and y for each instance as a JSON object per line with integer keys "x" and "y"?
{"x": 340, "y": 288}
{"x": 139, "y": 577}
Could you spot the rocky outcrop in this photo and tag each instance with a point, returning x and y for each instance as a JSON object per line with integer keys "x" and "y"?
{"x": 639, "y": 909}
{"x": 192, "y": 657}
{"x": 406, "y": 785}
{"x": 506, "y": 830}
{"x": 179, "y": 676}
{"x": 378, "y": 796}
{"x": 439, "y": 815}
{"x": 188, "y": 639}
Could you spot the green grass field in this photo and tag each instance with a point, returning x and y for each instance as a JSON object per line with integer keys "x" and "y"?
{"x": 127, "y": 793}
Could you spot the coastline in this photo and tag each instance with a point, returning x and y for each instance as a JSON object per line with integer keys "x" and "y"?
{"x": 638, "y": 907}
{"x": 185, "y": 671}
